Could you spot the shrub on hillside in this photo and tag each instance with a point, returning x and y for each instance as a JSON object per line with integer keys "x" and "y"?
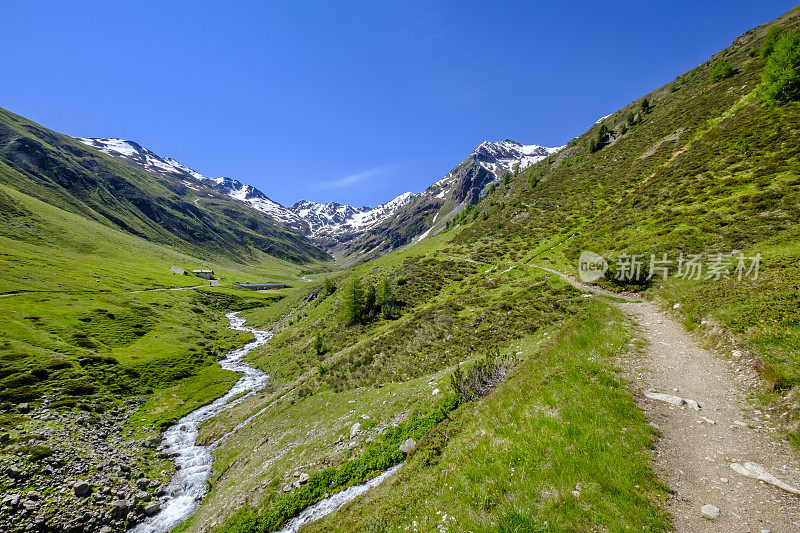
{"x": 36, "y": 452}
{"x": 481, "y": 377}
{"x": 328, "y": 288}
{"x": 781, "y": 76}
{"x": 721, "y": 70}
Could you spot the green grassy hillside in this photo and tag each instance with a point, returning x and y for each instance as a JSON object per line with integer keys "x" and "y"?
{"x": 707, "y": 168}
{"x": 100, "y": 340}
{"x": 382, "y": 373}
{"x": 94, "y": 314}
{"x": 65, "y": 173}
{"x": 102, "y": 346}
{"x": 557, "y": 447}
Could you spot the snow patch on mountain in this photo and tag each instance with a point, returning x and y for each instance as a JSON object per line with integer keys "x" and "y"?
{"x": 508, "y": 155}
{"x": 140, "y": 155}
{"x": 601, "y": 119}
{"x": 331, "y": 223}
{"x": 234, "y": 188}
{"x": 333, "y": 219}
{"x": 498, "y": 158}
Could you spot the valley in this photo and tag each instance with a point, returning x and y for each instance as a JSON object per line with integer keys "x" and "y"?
{"x": 436, "y": 363}
{"x": 355, "y": 234}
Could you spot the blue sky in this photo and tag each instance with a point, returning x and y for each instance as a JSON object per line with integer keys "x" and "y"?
{"x": 354, "y": 102}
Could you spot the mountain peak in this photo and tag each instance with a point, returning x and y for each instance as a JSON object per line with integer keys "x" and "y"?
{"x": 332, "y": 219}
{"x": 332, "y": 223}
{"x": 499, "y": 157}
{"x": 140, "y": 155}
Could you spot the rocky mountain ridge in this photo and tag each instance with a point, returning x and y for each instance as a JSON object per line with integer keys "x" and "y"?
{"x": 341, "y": 227}
{"x": 428, "y": 212}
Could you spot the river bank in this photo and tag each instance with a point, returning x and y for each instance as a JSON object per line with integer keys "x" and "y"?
{"x": 188, "y": 486}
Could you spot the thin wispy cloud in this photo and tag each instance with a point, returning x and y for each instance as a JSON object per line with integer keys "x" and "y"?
{"x": 351, "y": 179}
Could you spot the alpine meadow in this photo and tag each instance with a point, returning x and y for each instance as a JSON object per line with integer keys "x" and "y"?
{"x": 599, "y": 336}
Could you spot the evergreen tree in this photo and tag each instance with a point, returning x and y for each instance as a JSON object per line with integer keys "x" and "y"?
{"x": 646, "y": 105}
{"x": 318, "y": 345}
{"x": 328, "y": 287}
{"x": 597, "y": 143}
{"x": 370, "y": 300}
{"x": 506, "y": 178}
{"x": 353, "y": 302}
{"x": 386, "y": 299}
{"x": 781, "y": 76}
{"x": 769, "y": 42}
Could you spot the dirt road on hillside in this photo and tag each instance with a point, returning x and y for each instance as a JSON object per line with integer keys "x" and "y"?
{"x": 703, "y": 454}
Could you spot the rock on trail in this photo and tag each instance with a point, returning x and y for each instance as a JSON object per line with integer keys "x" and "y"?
{"x": 703, "y": 438}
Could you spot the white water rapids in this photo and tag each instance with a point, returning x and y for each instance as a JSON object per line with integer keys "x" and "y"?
{"x": 332, "y": 503}
{"x": 188, "y": 486}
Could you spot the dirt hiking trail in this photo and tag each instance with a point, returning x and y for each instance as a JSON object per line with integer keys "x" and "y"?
{"x": 714, "y": 444}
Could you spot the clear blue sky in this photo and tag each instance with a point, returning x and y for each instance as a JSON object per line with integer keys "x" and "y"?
{"x": 353, "y": 102}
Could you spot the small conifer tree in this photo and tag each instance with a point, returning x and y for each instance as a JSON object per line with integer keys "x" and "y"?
{"x": 353, "y": 302}
{"x": 318, "y": 345}
{"x": 780, "y": 81}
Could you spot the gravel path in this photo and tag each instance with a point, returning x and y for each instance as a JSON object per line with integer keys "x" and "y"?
{"x": 697, "y": 447}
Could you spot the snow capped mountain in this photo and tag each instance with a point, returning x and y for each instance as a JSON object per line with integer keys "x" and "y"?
{"x": 426, "y": 213}
{"x": 139, "y": 155}
{"x": 257, "y": 200}
{"x": 504, "y": 156}
{"x": 135, "y": 153}
{"x": 324, "y": 215}
{"x": 347, "y": 228}
{"x": 495, "y": 157}
{"x": 332, "y": 219}
{"x": 329, "y": 220}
